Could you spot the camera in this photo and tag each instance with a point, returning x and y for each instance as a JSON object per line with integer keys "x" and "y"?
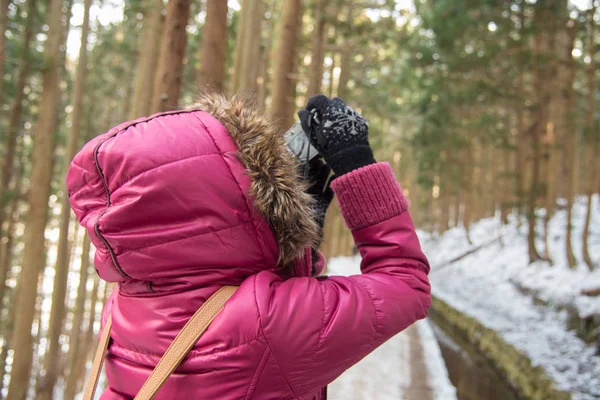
{"x": 298, "y": 142}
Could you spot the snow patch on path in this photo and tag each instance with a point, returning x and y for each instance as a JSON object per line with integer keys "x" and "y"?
{"x": 386, "y": 373}
{"x": 382, "y": 375}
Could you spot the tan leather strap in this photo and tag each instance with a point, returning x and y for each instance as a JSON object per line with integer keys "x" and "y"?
{"x": 176, "y": 352}
{"x": 92, "y": 382}
{"x": 184, "y": 341}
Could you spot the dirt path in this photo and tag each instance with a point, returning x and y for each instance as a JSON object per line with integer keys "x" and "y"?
{"x": 419, "y": 387}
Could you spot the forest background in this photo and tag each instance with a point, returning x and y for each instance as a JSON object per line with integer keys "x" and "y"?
{"x": 483, "y": 108}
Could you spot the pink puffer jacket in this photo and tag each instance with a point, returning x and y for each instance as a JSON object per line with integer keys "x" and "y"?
{"x": 182, "y": 203}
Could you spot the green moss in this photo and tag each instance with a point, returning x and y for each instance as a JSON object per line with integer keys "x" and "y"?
{"x": 532, "y": 383}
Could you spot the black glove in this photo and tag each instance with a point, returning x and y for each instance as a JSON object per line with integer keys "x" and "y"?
{"x": 322, "y": 194}
{"x": 338, "y": 132}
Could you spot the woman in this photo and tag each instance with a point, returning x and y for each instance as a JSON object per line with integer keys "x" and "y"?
{"x": 182, "y": 203}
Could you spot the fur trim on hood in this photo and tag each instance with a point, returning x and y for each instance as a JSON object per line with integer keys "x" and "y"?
{"x": 275, "y": 190}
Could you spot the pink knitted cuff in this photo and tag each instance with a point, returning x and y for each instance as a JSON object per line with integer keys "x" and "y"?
{"x": 369, "y": 195}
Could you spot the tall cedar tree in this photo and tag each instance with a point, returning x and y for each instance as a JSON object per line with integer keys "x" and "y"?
{"x": 251, "y": 48}
{"x": 248, "y": 41}
{"x": 169, "y": 75}
{"x": 75, "y": 335}
{"x": 234, "y": 82}
{"x": 10, "y": 146}
{"x": 57, "y": 314}
{"x": 569, "y": 134}
{"x": 541, "y": 16}
{"x": 34, "y": 257}
{"x": 214, "y": 46}
{"x": 346, "y": 58}
{"x": 284, "y": 82}
{"x": 3, "y": 26}
{"x": 87, "y": 345}
{"x": 6, "y": 257}
{"x": 315, "y": 77}
{"x": 149, "y": 47}
{"x": 264, "y": 81}
{"x": 550, "y": 160}
{"x": 592, "y": 136}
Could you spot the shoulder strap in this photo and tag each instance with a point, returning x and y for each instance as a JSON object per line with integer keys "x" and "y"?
{"x": 92, "y": 382}
{"x": 176, "y": 352}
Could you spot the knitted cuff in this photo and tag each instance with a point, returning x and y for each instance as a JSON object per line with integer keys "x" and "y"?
{"x": 369, "y": 195}
{"x": 350, "y": 159}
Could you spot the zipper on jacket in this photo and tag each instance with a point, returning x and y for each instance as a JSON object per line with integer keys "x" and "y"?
{"x": 99, "y": 169}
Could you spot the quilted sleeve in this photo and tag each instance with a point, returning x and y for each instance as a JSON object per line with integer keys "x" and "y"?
{"x": 317, "y": 328}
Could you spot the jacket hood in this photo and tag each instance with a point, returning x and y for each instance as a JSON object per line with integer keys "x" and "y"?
{"x": 275, "y": 189}
{"x": 206, "y": 195}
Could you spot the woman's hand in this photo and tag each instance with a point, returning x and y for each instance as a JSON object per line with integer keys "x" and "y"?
{"x": 338, "y": 132}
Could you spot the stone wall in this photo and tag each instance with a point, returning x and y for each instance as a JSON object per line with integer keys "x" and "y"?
{"x": 531, "y": 383}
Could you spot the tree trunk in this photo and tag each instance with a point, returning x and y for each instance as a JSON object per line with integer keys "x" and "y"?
{"x": 508, "y": 199}
{"x": 324, "y": 245}
{"x": 3, "y": 26}
{"x": 263, "y": 79}
{"x": 491, "y": 178}
{"x": 335, "y": 236}
{"x": 469, "y": 193}
{"x": 251, "y": 43}
{"x": 505, "y": 187}
{"x": 169, "y": 75}
{"x": 416, "y": 192}
{"x": 550, "y": 159}
{"x": 10, "y": 147}
{"x": 456, "y": 215}
{"x": 331, "y": 80}
{"x": 234, "y": 83}
{"x": 75, "y": 334}
{"x": 346, "y": 58}
{"x": 214, "y": 46}
{"x": 444, "y": 202}
{"x": 592, "y": 136}
{"x": 569, "y": 135}
{"x": 476, "y": 201}
{"x": 6, "y": 259}
{"x": 149, "y": 45}
{"x": 543, "y": 15}
{"x": 126, "y": 62}
{"x": 284, "y": 83}
{"x": 86, "y": 345}
{"x": 532, "y": 196}
{"x": 520, "y": 155}
{"x": 6, "y": 249}
{"x": 520, "y": 163}
{"x": 315, "y": 77}
{"x": 39, "y": 191}
{"x": 57, "y": 314}
{"x": 550, "y": 191}
{"x": 6, "y": 252}
{"x": 15, "y": 115}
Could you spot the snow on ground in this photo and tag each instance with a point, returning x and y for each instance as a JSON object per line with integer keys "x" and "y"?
{"x": 488, "y": 285}
{"x": 557, "y": 284}
{"x": 382, "y": 375}
{"x": 386, "y": 373}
